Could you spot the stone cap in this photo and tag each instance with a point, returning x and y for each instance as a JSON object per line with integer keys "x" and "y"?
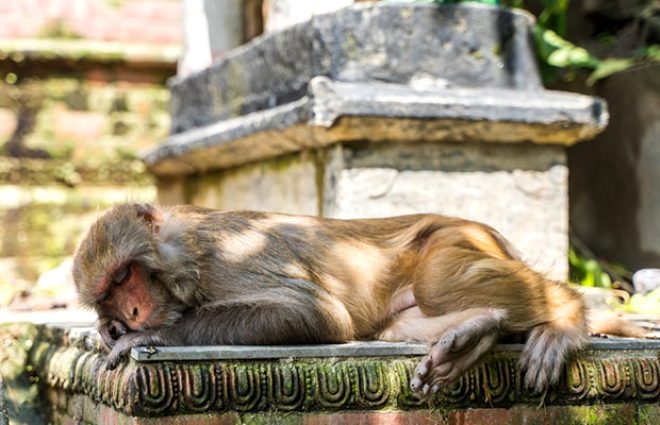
{"x": 69, "y": 361}
{"x": 335, "y": 112}
{"x": 468, "y": 45}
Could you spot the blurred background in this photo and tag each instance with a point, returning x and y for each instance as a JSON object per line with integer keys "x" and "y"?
{"x": 82, "y": 91}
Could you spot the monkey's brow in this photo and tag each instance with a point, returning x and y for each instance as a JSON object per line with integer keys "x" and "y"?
{"x": 102, "y": 289}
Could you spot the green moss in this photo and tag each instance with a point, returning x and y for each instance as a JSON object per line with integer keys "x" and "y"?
{"x": 273, "y": 418}
{"x": 22, "y": 395}
{"x": 477, "y": 54}
{"x": 320, "y": 161}
{"x": 350, "y": 45}
{"x": 235, "y": 92}
{"x": 58, "y": 29}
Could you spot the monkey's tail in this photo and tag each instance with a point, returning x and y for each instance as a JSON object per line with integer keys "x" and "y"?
{"x": 609, "y": 323}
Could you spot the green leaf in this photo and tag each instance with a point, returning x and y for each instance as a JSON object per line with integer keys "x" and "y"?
{"x": 652, "y": 52}
{"x": 571, "y": 56}
{"x": 561, "y": 53}
{"x": 608, "y": 67}
{"x": 644, "y": 303}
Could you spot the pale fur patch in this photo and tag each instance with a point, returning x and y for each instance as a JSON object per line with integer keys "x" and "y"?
{"x": 483, "y": 240}
{"x": 364, "y": 262}
{"x": 241, "y": 246}
{"x": 302, "y": 221}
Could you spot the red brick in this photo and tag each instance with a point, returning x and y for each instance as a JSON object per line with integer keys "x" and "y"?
{"x": 78, "y": 125}
{"x": 95, "y": 19}
{"x": 198, "y": 419}
{"x": 7, "y": 123}
{"x": 419, "y": 417}
{"x": 480, "y": 417}
{"x": 622, "y": 414}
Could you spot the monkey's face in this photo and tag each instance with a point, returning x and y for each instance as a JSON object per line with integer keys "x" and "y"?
{"x": 115, "y": 270}
{"x": 133, "y": 303}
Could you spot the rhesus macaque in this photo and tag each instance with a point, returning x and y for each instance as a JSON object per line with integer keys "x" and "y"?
{"x": 192, "y": 276}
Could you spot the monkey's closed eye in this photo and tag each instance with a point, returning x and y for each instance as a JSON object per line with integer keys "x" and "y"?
{"x": 122, "y": 275}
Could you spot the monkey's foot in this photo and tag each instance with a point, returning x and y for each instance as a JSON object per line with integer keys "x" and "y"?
{"x": 543, "y": 357}
{"x": 457, "y": 350}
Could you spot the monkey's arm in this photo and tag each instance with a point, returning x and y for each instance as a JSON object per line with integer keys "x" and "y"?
{"x": 243, "y": 324}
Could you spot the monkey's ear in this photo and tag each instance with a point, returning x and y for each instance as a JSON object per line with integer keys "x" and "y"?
{"x": 150, "y": 215}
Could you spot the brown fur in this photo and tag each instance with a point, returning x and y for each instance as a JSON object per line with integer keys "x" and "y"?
{"x": 187, "y": 275}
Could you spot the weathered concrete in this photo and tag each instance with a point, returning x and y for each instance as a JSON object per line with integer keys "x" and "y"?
{"x": 229, "y": 352}
{"x": 343, "y": 112}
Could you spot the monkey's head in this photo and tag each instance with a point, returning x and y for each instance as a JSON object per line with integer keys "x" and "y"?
{"x": 117, "y": 270}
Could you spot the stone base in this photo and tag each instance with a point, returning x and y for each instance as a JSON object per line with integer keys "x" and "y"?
{"x": 613, "y": 380}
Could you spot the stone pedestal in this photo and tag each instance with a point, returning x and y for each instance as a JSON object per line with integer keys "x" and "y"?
{"x": 358, "y": 383}
{"x": 383, "y": 109}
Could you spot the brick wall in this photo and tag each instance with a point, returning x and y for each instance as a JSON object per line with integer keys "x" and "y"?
{"x": 88, "y": 105}
{"x": 142, "y": 21}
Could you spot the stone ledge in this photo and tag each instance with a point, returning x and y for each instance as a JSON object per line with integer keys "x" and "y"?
{"x": 247, "y": 352}
{"x": 69, "y": 365}
{"x": 343, "y": 112}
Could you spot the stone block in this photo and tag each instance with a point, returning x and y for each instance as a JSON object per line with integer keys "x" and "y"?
{"x": 471, "y": 181}
{"x": 286, "y": 184}
{"x": 384, "y": 42}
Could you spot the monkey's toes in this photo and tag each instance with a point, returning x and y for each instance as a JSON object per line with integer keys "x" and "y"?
{"x": 431, "y": 375}
{"x": 420, "y": 374}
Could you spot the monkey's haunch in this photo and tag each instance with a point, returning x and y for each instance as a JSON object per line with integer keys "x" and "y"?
{"x": 192, "y": 276}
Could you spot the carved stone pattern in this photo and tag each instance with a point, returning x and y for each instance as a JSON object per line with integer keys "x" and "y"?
{"x": 153, "y": 389}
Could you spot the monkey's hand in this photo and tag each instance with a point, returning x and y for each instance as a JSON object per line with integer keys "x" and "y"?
{"x": 132, "y": 339}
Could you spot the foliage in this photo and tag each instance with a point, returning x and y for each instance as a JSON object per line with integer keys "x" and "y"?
{"x": 648, "y": 303}
{"x": 587, "y": 271}
{"x": 557, "y": 53}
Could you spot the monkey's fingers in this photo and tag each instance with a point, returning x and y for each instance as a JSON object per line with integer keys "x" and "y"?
{"x": 114, "y": 358}
{"x": 124, "y": 346}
